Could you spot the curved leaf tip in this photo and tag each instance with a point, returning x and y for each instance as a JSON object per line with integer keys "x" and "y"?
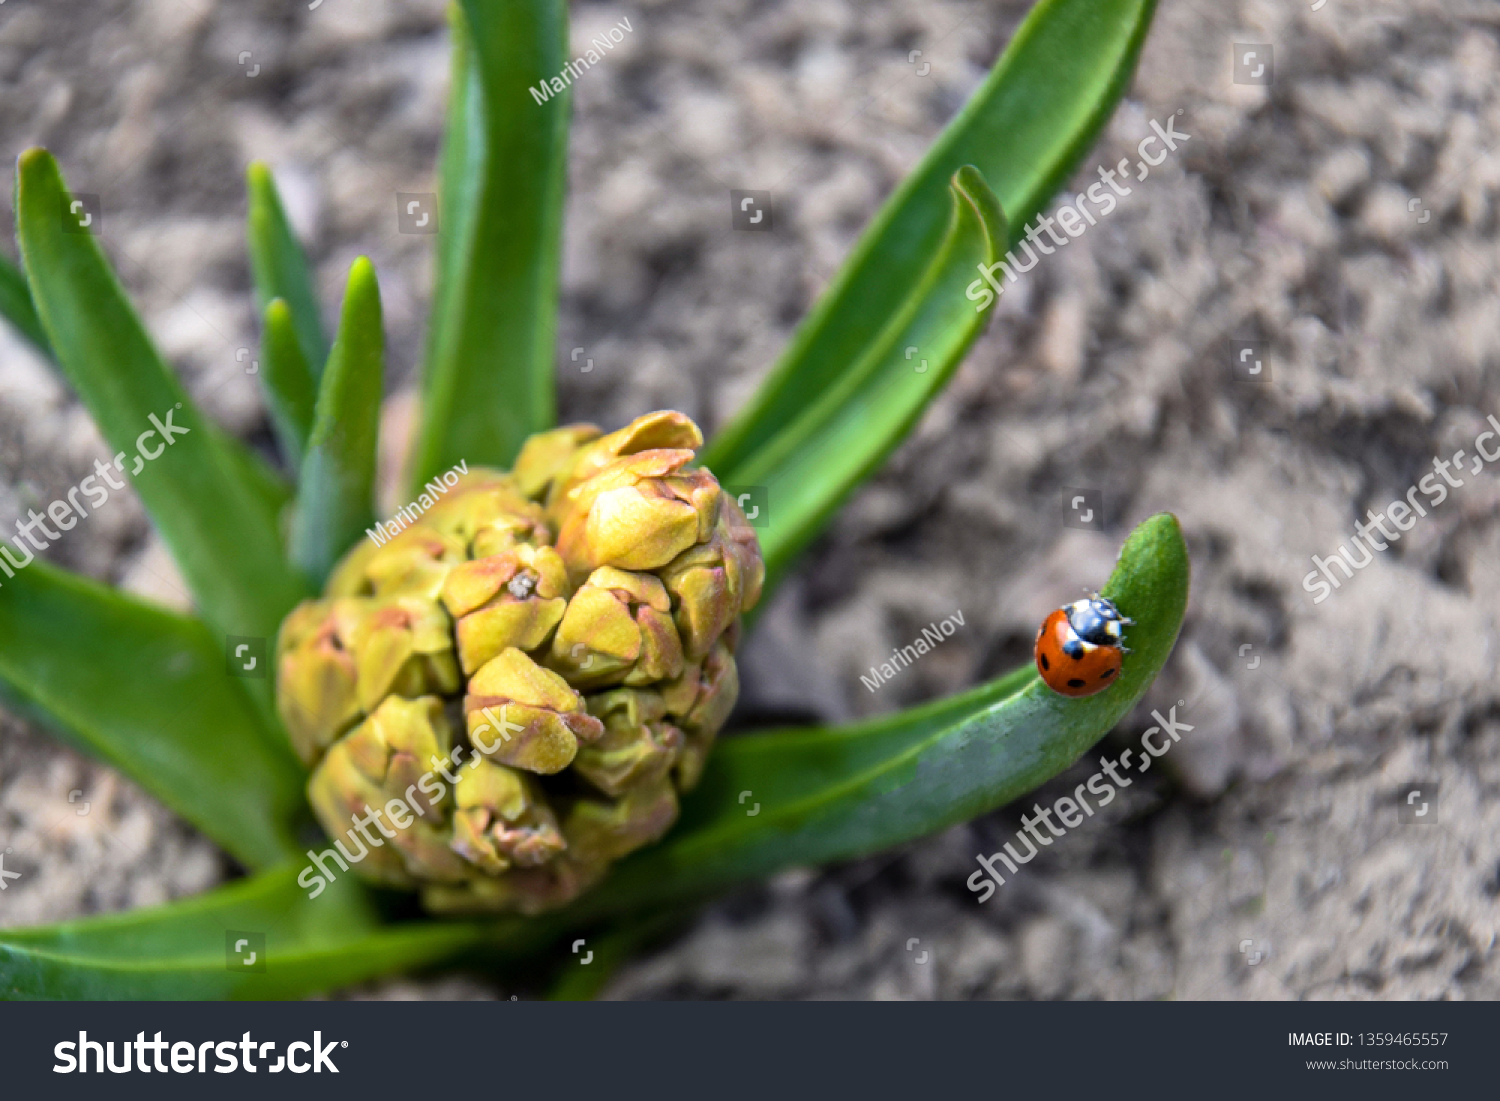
{"x": 970, "y": 185}
{"x": 835, "y": 793}
{"x": 846, "y": 430}
{"x": 1150, "y": 585}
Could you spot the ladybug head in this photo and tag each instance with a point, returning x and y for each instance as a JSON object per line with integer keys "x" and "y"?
{"x": 1096, "y": 620}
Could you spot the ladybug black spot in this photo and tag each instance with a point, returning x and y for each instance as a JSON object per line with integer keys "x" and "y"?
{"x": 1107, "y": 674}
{"x": 1046, "y": 665}
{"x": 1075, "y": 683}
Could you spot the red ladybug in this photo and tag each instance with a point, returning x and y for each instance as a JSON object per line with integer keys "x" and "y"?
{"x": 1080, "y": 648}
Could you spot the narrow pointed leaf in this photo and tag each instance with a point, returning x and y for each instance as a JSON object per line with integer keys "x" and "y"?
{"x": 187, "y": 949}
{"x": 169, "y": 930}
{"x": 487, "y": 382}
{"x": 149, "y": 692}
{"x": 847, "y": 431}
{"x": 215, "y": 512}
{"x": 279, "y": 268}
{"x": 286, "y": 382}
{"x": 16, "y": 307}
{"x": 336, "y": 493}
{"x": 1026, "y": 130}
{"x": 833, "y": 794}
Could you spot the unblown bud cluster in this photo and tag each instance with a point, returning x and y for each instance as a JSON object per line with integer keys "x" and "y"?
{"x": 567, "y": 630}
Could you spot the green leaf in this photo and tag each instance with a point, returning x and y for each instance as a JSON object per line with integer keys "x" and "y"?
{"x": 149, "y": 693}
{"x": 16, "y": 307}
{"x": 824, "y": 794}
{"x": 279, "y": 268}
{"x": 847, "y": 431}
{"x": 286, "y": 382}
{"x": 488, "y": 383}
{"x": 275, "y": 492}
{"x": 215, "y": 512}
{"x": 1025, "y": 129}
{"x": 336, "y": 493}
{"x": 833, "y": 794}
{"x": 186, "y": 950}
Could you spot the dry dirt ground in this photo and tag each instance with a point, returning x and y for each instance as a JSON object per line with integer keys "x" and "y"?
{"x": 1343, "y": 218}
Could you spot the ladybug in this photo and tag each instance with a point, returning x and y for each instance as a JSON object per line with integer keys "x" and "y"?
{"x": 1081, "y": 646}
